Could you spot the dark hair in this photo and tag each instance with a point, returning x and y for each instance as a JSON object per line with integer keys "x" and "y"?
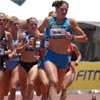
{"x": 58, "y": 3}
{"x": 28, "y": 20}
{"x": 50, "y": 13}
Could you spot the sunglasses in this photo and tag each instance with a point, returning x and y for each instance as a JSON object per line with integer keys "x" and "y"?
{"x": 2, "y": 20}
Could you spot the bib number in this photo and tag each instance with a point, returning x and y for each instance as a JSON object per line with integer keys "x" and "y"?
{"x": 38, "y": 44}
{"x": 1, "y": 51}
{"x": 57, "y": 33}
{"x": 46, "y": 43}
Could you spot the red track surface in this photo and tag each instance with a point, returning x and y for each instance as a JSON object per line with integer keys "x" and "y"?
{"x": 70, "y": 97}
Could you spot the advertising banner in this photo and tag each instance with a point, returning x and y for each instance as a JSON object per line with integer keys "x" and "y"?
{"x": 87, "y": 76}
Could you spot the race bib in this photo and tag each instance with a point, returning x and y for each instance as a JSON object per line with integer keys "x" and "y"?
{"x": 1, "y": 51}
{"x": 38, "y": 44}
{"x": 57, "y": 32}
{"x": 46, "y": 43}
